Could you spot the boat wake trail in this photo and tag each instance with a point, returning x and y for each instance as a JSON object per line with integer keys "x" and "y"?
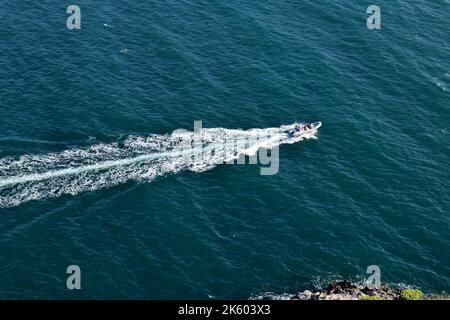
{"x": 41, "y": 176}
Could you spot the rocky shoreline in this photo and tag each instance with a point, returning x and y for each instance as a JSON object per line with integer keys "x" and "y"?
{"x": 346, "y": 290}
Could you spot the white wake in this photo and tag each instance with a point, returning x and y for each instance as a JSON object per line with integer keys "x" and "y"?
{"x": 41, "y": 176}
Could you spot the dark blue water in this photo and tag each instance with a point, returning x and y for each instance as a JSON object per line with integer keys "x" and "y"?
{"x": 370, "y": 189}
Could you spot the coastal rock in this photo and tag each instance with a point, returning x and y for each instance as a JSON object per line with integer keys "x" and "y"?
{"x": 305, "y": 295}
{"x": 346, "y": 290}
{"x": 322, "y": 296}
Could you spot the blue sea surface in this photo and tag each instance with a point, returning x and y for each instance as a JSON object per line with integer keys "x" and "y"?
{"x": 372, "y": 188}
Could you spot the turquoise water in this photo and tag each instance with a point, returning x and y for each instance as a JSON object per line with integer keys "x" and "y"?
{"x": 370, "y": 188}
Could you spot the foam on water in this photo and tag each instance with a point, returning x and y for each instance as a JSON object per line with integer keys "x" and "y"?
{"x": 33, "y": 177}
{"x": 440, "y": 84}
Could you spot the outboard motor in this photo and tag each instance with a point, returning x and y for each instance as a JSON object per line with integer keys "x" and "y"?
{"x": 291, "y": 132}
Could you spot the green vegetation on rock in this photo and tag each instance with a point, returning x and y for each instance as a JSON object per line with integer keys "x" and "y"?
{"x": 369, "y": 298}
{"x": 410, "y": 294}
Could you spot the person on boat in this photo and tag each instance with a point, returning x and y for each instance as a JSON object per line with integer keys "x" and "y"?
{"x": 307, "y": 127}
